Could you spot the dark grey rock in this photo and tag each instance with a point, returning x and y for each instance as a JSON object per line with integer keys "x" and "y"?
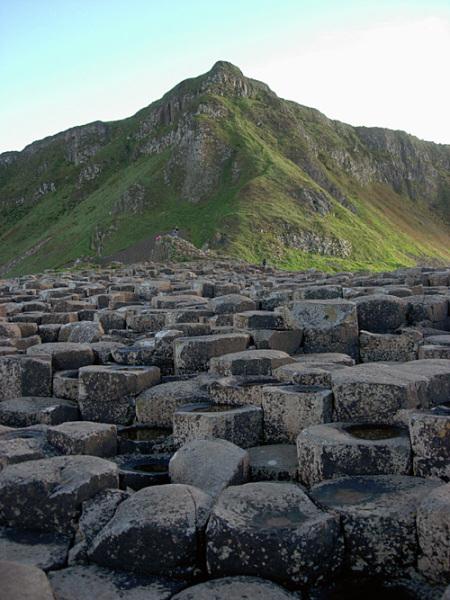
{"x": 84, "y": 437}
{"x": 156, "y": 531}
{"x": 46, "y": 495}
{"x": 210, "y": 465}
{"x": 32, "y": 410}
{"x": 338, "y": 449}
{"x": 87, "y": 582}
{"x": 379, "y": 519}
{"x": 236, "y": 588}
{"x": 272, "y": 530}
{"x": 34, "y": 548}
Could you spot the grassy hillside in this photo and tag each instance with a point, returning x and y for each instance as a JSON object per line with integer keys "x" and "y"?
{"x": 236, "y": 168}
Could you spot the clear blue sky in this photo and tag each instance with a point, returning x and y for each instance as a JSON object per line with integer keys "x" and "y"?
{"x": 67, "y": 62}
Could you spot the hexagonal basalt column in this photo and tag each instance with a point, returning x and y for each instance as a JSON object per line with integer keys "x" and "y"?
{"x": 290, "y": 408}
{"x": 240, "y": 425}
{"x": 157, "y": 405}
{"x": 249, "y": 363}
{"x": 430, "y": 440}
{"x": 46, "y": 495}
{"x": 192, "y": 354}
{"x": 84, "y": 437}
{"x": 106, "y": 392}
{"x": 374, "y": 392}
{"x": 157, "y": 531}
{"x": 379, "y": 519}
{"x": 65, "y": 384}
{"x": 64, "y": 355}
{"x": 336, "y": 449}
{"x": 400, "y": 346}
{"x": 32, "y": 410}
{"x": 272, "y": 530}
{"x": 231, "y": 303}
{"x": 433, "y": 524}
{"x": 328, "y": 325}
{"x": 430, "y": 308}
{"x": 239, "y": 391}
{"x": 259, "y": 319}
{"x": 380, "y": 313}
{"x": 25, "y": 376}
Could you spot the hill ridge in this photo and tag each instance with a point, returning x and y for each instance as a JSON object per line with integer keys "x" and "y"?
{"x": 241, "y": 170}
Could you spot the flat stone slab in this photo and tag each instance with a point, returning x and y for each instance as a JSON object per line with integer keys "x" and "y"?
{"x": 156, "y": 405}
{"x": 374, "y": 392}
{"x": 272, "y": 530}
{"x": 249, "y": 363}
{"x": 379, "y": 519}
{"x": 241, "y": 425}
{"x": 107, "y": 392}
{"x": 240, "y": 391}
{"x": 87, "y": 582}
{"x": 192, "y": 354}
{"x": 46, "y": 495}
{"x": 34, "y": 548}
{"x": 231, "y": 303}
{"x": 82, "y": 332}
{"x": 33, "y": 410}
{"x": 259, "y": 319}
{"x": 328, "y": 358}
{"x": 84, "y": 437}
{"x": 440, "y": 340}
{"x": 403, "y": 345}
{"x": 64, "y": 355}
{"x": 18, "y": 446}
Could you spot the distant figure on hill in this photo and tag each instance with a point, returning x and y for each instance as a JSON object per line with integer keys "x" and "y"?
{"x": 264, "y": 263}
{"x": 175, "y": 232}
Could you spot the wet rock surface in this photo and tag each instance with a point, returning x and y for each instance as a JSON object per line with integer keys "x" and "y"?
{"x": 378, "y": 517}
{"x": 217, "y": 430}
{"x": 275, "y": 531}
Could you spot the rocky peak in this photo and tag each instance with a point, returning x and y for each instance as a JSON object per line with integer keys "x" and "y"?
{"x": 224, "y": 71}
{"x": 223, "y": 79}
{"x": 226, "y": 79}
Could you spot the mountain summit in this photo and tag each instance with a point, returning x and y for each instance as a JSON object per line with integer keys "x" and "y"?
{"x": 237, "y": 169}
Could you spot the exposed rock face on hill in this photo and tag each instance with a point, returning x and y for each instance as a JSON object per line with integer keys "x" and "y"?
{"x": 237, "y": 168}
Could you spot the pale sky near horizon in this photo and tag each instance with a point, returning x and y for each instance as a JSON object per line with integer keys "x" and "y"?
{"x": 365, "y": 62}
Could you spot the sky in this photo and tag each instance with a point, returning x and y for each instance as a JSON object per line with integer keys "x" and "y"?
{"x": 375, "y": 63}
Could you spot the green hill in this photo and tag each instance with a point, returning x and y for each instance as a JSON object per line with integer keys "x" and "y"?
{"x": 238, "y": 170}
